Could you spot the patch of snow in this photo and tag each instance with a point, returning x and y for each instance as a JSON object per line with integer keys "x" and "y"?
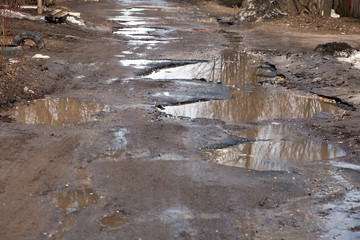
{"x": 111, "y": 80}
{"x": 40, "y": 56}
{"x": 139, "y": 63}
{"x": 19, "y": 15}
{"x": 28, "y": 7}
{"x": 354, "y": 59}
{"x": 73, "y": 20}
{"x": 13, "y": 61}
{"x": 334, "y": 14}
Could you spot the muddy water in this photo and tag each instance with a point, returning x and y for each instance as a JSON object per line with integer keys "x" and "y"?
{"x": 74, "y": 200}
{"x": 231, "y": 69}
{"x": 115, "y": 220}
{"x": 251, "y": 102}
{"x": 255, "y": 103}
{"x": 61, "y": 112}
{"x": 275, "y": 146}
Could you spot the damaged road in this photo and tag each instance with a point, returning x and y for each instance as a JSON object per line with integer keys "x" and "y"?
{"x": 155, "y": 121}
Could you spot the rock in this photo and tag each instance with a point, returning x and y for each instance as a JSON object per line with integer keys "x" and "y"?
{"x": 317, "y": 80}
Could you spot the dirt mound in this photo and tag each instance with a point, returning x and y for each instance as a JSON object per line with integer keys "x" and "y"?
{"x": 257, "y": 9}
{"x": 336, "y": 49}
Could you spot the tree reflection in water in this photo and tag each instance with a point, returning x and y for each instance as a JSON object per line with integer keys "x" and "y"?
{"x": 62, "y": 112}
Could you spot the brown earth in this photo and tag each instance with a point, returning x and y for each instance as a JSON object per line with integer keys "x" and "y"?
{"x": 157, "y": 183}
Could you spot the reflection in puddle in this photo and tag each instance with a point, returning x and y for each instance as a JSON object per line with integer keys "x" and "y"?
{"x": 231, "y": 69}
{"x": 277, "y": 147}
{"x": 74, "y": 200}
{"x": 83, "y": 196}
{"x": 250, "y": 102}
{"x": 115, "y": 220}
{"x": 255, "y": 103}
{"x": 137, "y": 32}
{"x": 61, "y": 112}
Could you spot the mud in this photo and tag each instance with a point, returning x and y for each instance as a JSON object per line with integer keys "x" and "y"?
{"x": 123, "y": 169}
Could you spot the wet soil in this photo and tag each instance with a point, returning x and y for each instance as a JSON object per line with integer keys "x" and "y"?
{"x": 96, "y": 157}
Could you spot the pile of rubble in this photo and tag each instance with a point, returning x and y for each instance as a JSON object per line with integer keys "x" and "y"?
{"x": 258, "y": 10}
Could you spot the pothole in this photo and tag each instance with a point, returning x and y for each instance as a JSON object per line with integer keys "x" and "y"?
{"x": 231, "y": 69}
{"x": 60, "y": 112}
{"x": 256, "y": 103}
{"x": 276, "y": 147}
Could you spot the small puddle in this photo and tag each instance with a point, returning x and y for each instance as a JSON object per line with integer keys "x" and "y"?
{"x": 276, "y": 147}
{"x": 61, "y": 112}
{"x": 115, "y": 220}
{"x": 74, "y": 200}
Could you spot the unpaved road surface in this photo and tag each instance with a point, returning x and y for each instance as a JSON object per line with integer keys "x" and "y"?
{"x": 155, "y": 126}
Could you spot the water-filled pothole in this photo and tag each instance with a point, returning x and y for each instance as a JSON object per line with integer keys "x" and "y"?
{"x": 256, "y": 103}
{"x": 231, "y": 69}
{"x": 61, "y": 112}
{"x": 276, "y": 147}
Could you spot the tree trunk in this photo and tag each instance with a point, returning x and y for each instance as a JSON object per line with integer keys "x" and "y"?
{"x": 39, "y": 6}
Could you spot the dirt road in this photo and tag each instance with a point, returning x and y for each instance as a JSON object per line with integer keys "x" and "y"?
{"x": 155, "y": 126}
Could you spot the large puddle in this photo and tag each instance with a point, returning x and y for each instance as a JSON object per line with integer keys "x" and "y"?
{"x": 61, "y": 112}
{"x": 255, "y": 103}
{"x": 276, "y": 146}
{"x": 231, "y": 69}
{"x": 250, "y": 101}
